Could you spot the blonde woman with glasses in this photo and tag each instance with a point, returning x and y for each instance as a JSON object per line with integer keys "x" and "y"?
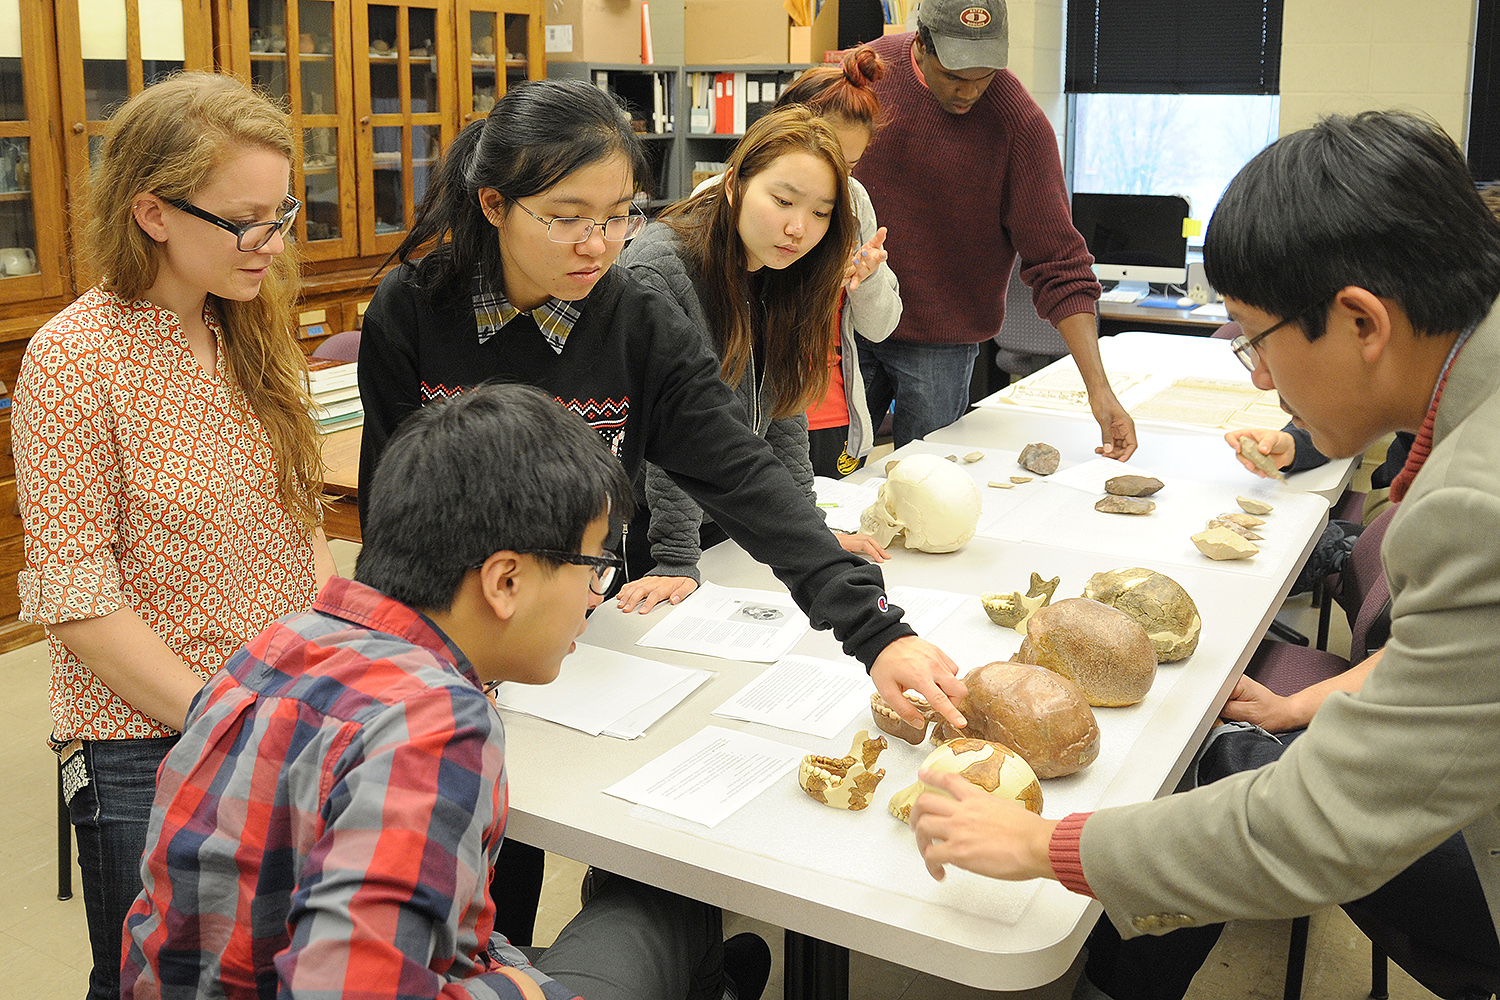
{"x": 168, "y": 471}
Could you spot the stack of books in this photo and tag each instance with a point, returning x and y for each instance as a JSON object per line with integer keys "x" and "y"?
{"x": 334, "y": 386}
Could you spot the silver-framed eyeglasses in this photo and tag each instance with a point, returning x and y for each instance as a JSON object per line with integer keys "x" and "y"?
{"x": 249, "y": 236}
{"x": 577, "y": 229}
{"x": 1245, "y": 347}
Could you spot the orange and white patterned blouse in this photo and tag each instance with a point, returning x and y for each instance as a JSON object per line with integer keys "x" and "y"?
{"x": 145, "y": 483}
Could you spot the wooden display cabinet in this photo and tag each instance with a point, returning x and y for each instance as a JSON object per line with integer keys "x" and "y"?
{"x": 33, "y": 262}
{"x": 499, "y": 45}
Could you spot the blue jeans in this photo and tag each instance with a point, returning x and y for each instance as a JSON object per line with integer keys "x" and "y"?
{"x": 110, "y": 813}
{"x": 929, "y": 384}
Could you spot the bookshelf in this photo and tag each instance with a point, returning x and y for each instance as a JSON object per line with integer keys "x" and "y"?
{"x": 660, "y": 99}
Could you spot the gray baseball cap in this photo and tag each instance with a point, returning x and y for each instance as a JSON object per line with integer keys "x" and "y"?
{"x": 968, "y": 34}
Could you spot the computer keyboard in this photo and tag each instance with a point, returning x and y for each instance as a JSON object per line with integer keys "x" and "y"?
{"x": 1123, "y": 296}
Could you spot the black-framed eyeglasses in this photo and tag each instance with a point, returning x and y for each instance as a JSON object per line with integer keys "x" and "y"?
{"x": 577, "y": 230}
{"x": 1244, "y": 347}
{"x": 251, "y": 236}
{"x": 604, "y": 566}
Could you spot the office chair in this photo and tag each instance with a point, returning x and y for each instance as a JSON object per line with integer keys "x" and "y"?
{"x": 1286, "y": 668}
{"x": 1026, "y": 342}
{"x": 340, "y": 347}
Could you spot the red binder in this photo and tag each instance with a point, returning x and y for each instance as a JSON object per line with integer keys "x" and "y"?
{"x": 724, "y": 103}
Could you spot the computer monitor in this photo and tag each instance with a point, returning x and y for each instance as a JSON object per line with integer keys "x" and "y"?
{"x": 1134, "y": 237}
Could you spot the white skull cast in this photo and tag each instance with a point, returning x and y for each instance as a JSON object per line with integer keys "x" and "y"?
{"x": 927, "y": 500}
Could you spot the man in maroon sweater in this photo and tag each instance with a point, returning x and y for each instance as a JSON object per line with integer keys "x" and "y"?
{"x": 966, "y": 177}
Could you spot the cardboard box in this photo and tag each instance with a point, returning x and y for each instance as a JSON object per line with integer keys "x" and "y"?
{"x": 734, "y": 32}
{"x": 603, "y": 31}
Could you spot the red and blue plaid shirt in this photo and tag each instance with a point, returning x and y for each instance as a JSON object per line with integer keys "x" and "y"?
{"x": 327, "y": 824}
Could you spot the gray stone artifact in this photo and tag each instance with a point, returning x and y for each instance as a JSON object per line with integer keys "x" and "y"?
{"x": 1124, "y": 505}
{"x": 1251, "y": 451}
{"x": 1132, "y": 486}
{"x": 1158, "y": 603}
{"x": 1040, "y": 458}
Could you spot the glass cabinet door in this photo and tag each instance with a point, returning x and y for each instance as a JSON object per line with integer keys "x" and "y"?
{"x": 403, "y": 91}
{"x": 499, "y": 44}
{"x": 111, "y": 50}
{"x": 298, "y": 52}
{"x": 33, "y": 261}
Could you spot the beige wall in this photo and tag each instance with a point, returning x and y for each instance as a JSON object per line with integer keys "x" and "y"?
{"x": 1356, "y": 55}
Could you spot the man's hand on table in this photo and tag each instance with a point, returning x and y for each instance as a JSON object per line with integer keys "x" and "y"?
{"x": 913, "y": 664}
{"x": 1117, "y": 425}
{"x": 975, "y": 830}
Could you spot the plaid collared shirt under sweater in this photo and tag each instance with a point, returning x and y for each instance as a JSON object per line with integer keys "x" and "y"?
{"x": 328, "y": 822}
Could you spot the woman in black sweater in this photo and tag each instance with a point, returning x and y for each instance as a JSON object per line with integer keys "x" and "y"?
{"x": 528, "y": 213}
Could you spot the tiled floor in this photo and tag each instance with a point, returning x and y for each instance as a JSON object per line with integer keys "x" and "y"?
{"x": 44, "y": 942}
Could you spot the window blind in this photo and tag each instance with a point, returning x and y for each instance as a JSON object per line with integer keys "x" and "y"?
{"x": 1174, "y": 47}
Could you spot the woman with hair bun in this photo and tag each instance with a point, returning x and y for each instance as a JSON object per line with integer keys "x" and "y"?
{"x": 168, "y": 471}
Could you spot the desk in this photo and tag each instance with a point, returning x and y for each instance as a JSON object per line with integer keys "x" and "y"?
{"x": 897, "y": 913}
{"x": 1115, "y": 317}
{"x": 341, "y": 484}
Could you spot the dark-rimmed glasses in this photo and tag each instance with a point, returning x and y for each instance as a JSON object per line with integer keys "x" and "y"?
{"x": 1244, "y": 347}
{"x": 577, "y": 229}
{"x": 250, "y": 236}
{"x": 604, "y": 566}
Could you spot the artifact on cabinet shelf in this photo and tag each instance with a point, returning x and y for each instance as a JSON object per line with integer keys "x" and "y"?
{"x": 1041, "y": 715}
{"x": 994, "y": 767}
{"x": 1101, "y": 649}
{"x": 932, "y": 504}
{"x": 1158, "y": 603}
{"x": 844, "y": 782}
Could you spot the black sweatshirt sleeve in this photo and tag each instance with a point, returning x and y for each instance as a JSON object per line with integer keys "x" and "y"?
{"x": 691, "y": 429}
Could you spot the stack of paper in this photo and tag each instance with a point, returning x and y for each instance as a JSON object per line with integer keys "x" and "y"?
{"x": 604, "y": 693}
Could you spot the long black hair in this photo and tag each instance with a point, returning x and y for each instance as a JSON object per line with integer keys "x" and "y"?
{"x": 540, "y": 132}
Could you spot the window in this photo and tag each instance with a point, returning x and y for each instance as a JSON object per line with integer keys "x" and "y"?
{"x": 1170, "y": 96}
{"x": 1187, "y": 144}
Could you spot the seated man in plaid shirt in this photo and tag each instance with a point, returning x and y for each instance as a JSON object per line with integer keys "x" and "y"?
{"x": 327, "y": 824}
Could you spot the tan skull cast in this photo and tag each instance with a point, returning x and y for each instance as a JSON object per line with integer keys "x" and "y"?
{"x": 994, "y": 767}
{"x": 930, "y": 502}
{"x": 844, "y": 782}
